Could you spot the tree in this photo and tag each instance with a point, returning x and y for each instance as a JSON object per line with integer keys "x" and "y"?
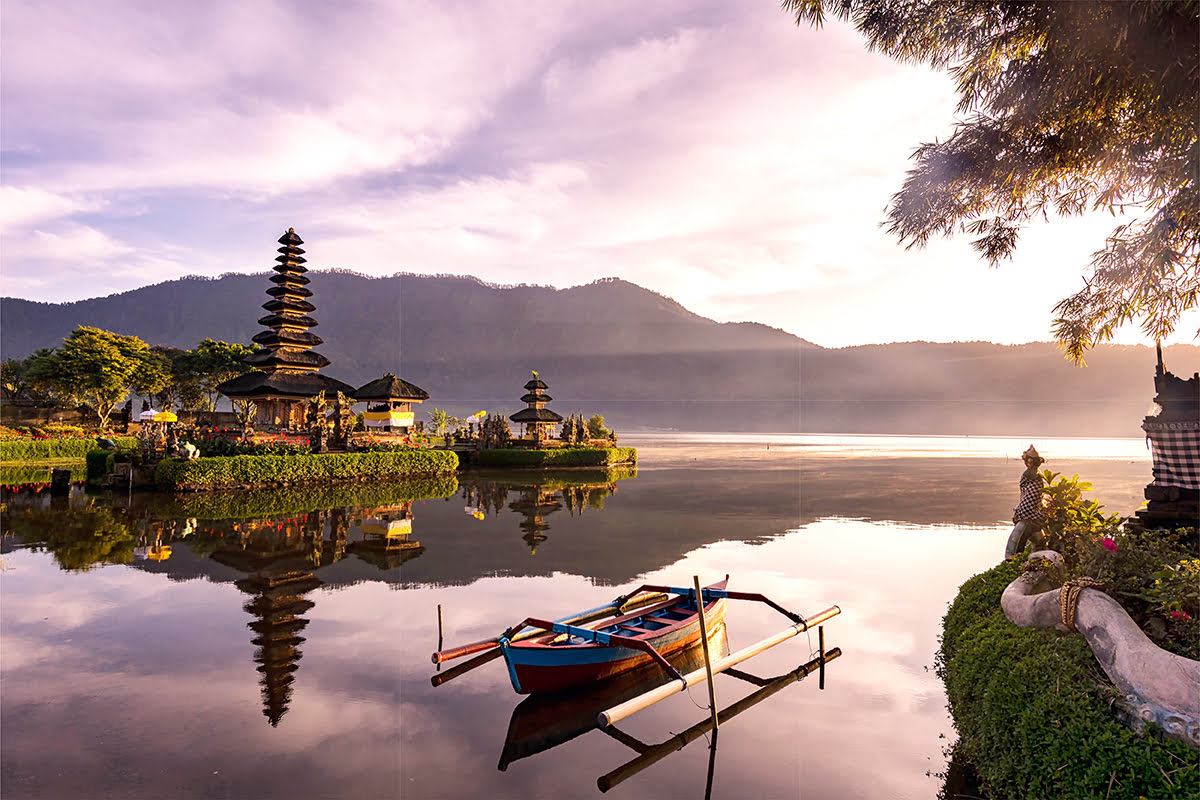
{"x": 214, "y": 362}
{"x": 438, "y": 419}
{"x": 99, "y": 368}
{"x": 1075, "y": 106}
{"x": 596, "y": 429}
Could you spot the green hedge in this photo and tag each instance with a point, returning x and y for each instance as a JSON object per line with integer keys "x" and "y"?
{"x": 238, "y": 471}
{"x": 40, "y": 449}
{"x": 559, "y": 457}
{"x": 99, "y": 464}
{"x": 1032, "y": 709}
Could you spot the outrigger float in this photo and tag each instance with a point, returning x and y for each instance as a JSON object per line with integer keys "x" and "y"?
{"x": 643, "y": 626}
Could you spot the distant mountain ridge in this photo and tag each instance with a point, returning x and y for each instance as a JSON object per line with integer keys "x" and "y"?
{"x": 636, "y": 356}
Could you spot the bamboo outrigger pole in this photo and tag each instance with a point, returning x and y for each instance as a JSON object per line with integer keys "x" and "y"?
{"x": 650, "y": 755}
{"x": 623, "y": 710}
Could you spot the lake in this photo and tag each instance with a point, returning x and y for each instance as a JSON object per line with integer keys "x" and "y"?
{"x": 277, "y": 644}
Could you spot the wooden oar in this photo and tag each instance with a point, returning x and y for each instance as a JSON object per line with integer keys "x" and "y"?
{"x": 615, "y": 607}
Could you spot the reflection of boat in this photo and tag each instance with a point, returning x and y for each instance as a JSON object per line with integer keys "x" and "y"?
{"x": 546, "y": 720}
{"x": 568, "y": 656}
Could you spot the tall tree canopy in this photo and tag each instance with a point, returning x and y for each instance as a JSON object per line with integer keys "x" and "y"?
{"x": 1070, "y": 107}
{"x": 100, "y": 368}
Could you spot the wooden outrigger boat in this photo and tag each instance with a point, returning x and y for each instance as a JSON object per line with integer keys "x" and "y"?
{"x": 635, "y": 629}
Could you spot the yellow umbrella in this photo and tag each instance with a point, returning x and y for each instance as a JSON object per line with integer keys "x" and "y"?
{"x": 166, "y": 416}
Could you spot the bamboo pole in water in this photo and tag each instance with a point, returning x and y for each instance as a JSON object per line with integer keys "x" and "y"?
{"x": 655, "y": 753}
{"x": 623, "y": 710}
{"x": 712, "y": 696}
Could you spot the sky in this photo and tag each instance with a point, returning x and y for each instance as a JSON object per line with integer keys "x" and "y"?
{"x": 714, "y": 152}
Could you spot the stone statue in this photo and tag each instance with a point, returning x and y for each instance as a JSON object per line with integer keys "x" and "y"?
{"x": 317, "y": 426}
{"x": 1030, "y": 514}
{"x": 187, "y": 451}
{"x": 343, "y": 422}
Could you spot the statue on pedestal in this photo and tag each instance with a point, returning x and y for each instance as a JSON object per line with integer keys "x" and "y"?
{"x": 1030, "y": 514}
{"x": 317, "y": 426}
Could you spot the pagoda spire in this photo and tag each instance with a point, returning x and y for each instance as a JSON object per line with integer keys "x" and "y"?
{"x": 287, "y": 343}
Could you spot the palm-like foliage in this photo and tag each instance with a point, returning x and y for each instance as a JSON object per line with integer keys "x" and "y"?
{"x": 1074, "y": 106}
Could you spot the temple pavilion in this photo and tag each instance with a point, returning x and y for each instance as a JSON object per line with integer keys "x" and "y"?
{"x": 389, "y": 403}
{"x": 538, "y": 420}
{"x": 287, "y": 370}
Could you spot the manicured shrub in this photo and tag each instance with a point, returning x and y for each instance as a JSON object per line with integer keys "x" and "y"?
{"x": 561, "y": 457}
{"x": 235, "y": 471}
{"x": 99, "y": 463}
{"x": 1032, "y": 709}
{"x": 39, "y": 449}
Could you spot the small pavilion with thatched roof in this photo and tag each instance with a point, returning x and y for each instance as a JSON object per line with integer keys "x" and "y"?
{"x": 389, "y": 403}
{"x": 286, "y": 369}
{"x": 538, "y": 420}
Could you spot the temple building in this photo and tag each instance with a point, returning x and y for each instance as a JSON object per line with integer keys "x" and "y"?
{"x": 1173, "y": 430}
{"x": 287, "y": 370}
{"x": 389, "y": 403}
{"x": 538, "y": 420}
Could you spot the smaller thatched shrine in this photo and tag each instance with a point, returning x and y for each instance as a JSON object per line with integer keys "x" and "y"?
{"x": 389, "y": 403}
{"x": 538, "y": 420}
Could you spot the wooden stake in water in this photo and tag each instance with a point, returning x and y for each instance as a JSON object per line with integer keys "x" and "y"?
{"x": 821, "y": 645}
{"x": 712, "y": 696}
{"x": 439, "y": 666}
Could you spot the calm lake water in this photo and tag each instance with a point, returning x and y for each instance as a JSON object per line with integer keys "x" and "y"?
{"x": 273, "y": 644}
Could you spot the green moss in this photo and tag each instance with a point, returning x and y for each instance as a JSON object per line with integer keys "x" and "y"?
{"x": 39, "y": 449}
{"x": 1032, "y": 709}
{"x": 558, "y": 457}
{"x": 237, "y": 471}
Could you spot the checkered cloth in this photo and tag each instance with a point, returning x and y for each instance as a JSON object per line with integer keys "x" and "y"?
{"x": 1176, "y": 449}
{"x": 1032, "y": 505}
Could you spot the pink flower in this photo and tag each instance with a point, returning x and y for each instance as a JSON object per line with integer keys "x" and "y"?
{"x": 1178, "y": 615}
{"x": 1109, "y": 544}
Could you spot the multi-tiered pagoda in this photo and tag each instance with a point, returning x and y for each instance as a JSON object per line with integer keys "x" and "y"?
{"x": 286, "y": 369}
{"x": 538, "y": 420}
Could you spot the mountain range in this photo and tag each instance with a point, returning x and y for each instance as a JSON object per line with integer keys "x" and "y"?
{"x": 635, "y": 356}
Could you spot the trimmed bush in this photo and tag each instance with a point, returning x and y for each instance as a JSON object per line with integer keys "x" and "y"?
{"x": 559, "y": 457}
{"x": 99, "y": 463}
{"x": 236, "y": 471}
{"x": 42, "y": 449}
{"x": 1032, "y": 709}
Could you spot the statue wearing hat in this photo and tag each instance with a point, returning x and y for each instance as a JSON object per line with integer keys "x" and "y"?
{"x": 1030, "y": 514}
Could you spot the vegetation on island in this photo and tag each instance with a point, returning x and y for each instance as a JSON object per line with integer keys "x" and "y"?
{"x": 558, "y": 457}
{"x": 1069, "y": 108}
{"x": 100, "y": 369}
{"x": 1033, "y": 708}
{"x": 261, "y": 470}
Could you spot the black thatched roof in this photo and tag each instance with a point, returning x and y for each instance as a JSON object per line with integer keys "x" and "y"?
{"x": 288, "y": 384}
{"x": 289, "y": 278}
{"x": 286, "y": 336}
{"x": 536, "y": 383}
{"x": 279, "y": 319}
{"x": 536, "y": 398}
{"x": 535, "y": 415}
{"x": 277, "y": 306}
{"x": 291, "y": 238}
{"x": 286, "y": 357}
{"x": 288, "y": 256}
{"x": 389, "y": 387}
{"x": 279, "y": 291}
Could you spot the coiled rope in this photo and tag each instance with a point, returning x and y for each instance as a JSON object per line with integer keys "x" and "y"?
{"x": 1068, "y": 598}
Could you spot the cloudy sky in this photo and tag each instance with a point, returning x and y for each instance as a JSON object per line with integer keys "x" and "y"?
{"x": 711, "y": 151}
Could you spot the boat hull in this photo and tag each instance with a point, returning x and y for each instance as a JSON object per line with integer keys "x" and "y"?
{"x": 536, "y": 666}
